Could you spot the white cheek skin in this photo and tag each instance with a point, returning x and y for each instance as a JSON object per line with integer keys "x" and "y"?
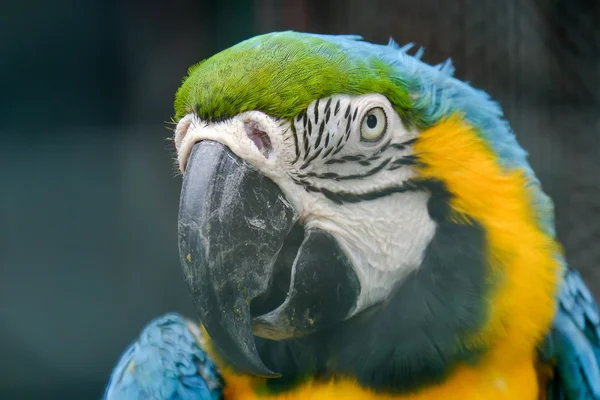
{"x": 385, "y": 238}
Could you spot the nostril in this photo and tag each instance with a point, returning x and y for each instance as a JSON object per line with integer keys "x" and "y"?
{"x": 259, "y": 137}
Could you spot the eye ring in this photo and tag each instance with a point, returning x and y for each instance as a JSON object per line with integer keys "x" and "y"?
{"x": 373, "y": 125}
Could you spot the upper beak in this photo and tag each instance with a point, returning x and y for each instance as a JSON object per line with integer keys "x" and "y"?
{"x": 233, "y": 224}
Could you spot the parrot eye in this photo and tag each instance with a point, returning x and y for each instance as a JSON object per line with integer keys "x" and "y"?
{"x": 373, "y": 125}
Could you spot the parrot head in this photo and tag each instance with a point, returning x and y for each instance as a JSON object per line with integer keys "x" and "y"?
{"x": 353, "y": 201}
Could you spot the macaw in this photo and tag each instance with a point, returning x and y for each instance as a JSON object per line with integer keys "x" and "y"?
{"x": 357, "y": 224}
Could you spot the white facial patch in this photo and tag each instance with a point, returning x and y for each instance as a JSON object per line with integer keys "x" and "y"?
{"x": 342, "y": 163}
{"x": 384, "y": 238}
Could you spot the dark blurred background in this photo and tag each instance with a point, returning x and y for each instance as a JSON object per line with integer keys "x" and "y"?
{"x": 89, "y": 196}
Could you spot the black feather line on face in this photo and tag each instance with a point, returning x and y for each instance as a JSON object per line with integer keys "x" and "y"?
{"x": 328, "y": 152}
{"x": 335, "y": 160}
{"x": 338, "y": 177}
{"x": 383, "y": 148}
{"x": 337, "y": 107}
{"x": 338, "y": 146}
{"x": 327, "y": 109}
{"x": 297, "y": 181}
{"x": 296, "y": 145}
{"x": 348, "y": 129}
{"x": 306, "y": 145}
{"x": 353, "y": 157}
{"x": 403, "y": 145}
{"x": 409, "y": 160}
{"x": 367, "y": 174}
{"x": 320, "y": 134}
{"x": 316, "y": 112}
{"x": 311, "y": 159}
{"x": 337, "y": 150}
{"x": 327, "y": 175}
{"x": 387, "y": 145}
{"x": 342, "y": 141}
{"x": 341, "y": 197}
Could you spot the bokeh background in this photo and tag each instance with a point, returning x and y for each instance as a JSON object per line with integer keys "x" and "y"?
{"x": 88, "y": 192}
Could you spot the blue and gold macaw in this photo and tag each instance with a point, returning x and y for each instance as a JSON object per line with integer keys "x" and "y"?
{"x": 357, "y": 224}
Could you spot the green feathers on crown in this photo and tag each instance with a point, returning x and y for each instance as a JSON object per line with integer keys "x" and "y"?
{"x": 280, "y": 74}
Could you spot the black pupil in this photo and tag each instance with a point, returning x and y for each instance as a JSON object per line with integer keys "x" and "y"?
{"x": 371, "y": 121}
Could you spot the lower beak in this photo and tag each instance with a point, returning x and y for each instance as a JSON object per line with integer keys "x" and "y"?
{"x": 235, "y": 248}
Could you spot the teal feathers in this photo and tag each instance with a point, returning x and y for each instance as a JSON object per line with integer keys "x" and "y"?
{"x": 573, "y": 345}
{"x": 166, "y": 362}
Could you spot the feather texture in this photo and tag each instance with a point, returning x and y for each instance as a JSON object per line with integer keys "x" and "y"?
{"x": 166, "y": 362}
{"x": 573, "y": 345}
{"x": 281, "y": 73}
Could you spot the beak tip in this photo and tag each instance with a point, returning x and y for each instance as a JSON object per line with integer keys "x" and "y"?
{"x": 242, "y": 354}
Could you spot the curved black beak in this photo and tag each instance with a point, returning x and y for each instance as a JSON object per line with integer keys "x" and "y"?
{"x": 233, "y": 223}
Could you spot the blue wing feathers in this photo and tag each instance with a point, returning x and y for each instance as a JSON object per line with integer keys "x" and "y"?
{"x": 166, "y": 362}
{"x": 574, "y": 343}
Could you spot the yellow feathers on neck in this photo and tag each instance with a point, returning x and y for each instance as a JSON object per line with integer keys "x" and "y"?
{"x": 523, "y": 305}
{"x": 520, "y": 309}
